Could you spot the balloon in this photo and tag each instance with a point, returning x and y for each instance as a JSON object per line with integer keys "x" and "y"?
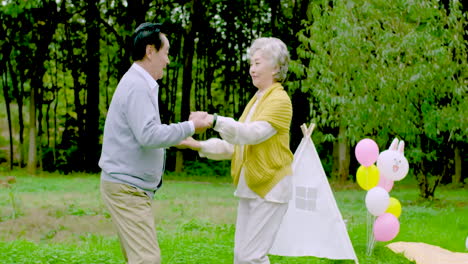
{"x": 366, "y": 152}
{"x": 377, "y": 200}
{"x": 394, "y": 207}
{"x": 385, "y": 183}
{"x": 393, "y": 165}
{"x": 386, "y": 227}
{"x": 367, "y": 177}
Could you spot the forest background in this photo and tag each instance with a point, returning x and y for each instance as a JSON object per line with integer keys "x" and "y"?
{"x": 378, "y": 69}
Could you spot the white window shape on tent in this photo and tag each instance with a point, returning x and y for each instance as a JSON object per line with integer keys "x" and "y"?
{"x": 306, "y": 198}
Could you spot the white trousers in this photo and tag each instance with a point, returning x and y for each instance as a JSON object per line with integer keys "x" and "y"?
{"x": 257, "y": 223}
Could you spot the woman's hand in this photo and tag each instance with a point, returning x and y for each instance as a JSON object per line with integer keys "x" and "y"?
{"x": 189, "y": 143}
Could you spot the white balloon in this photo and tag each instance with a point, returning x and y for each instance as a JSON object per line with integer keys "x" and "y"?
{"x": 393, "y": 165}
{"x": 377, "y": 201}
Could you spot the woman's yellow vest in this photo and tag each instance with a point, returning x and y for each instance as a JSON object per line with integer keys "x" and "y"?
{"x": 266, "y": 163}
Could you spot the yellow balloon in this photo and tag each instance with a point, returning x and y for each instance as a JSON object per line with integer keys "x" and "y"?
{"x": 367, "y": 177}
{"x": 394, "y": 207}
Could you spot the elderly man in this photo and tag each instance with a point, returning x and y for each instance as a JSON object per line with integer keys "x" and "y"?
{"x": 133, "y": 149}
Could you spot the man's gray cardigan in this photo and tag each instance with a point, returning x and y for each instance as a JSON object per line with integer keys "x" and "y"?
{"x": 134, "y": 138}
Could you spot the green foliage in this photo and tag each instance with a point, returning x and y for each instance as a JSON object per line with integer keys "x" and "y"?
{"x": 3, "y": 155}
{"x": 63, "y": 160}
{"x": 15, "y": 8}
{"x": 76, "y": 210}
{"x": 386, "y": 69}
{"x": 381, "y": 69}
{"x": 208, "y": 167}
{"x": 13, "y": 200}
{"x": 15, "y": 204}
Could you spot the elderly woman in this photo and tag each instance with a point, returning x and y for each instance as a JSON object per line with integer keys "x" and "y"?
{"x": 258, "y": 145}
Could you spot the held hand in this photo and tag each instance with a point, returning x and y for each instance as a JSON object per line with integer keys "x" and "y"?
{"x": 201, "y": 121}
{"x": 197, "y": 115}
{"x": 209, "y": 119}
{"x": 189, "y": 143}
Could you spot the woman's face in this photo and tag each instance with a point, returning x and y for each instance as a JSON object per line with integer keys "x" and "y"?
{"x": 261, "y": 71}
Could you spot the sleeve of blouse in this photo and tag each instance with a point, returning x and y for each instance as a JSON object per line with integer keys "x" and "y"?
{"x": 238, "y": 133}
{"x": 216, "y": 149}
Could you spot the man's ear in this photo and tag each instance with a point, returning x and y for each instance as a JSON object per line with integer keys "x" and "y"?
{"x": 149, "y": 50}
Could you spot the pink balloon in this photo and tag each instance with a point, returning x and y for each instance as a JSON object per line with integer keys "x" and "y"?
{"x": 385, "y": 183}
{"x": 386, "y": 227}
{"x": 366, "y": 152}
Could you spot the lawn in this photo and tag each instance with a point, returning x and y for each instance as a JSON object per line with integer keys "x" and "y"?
{"x": 61, "y": 219}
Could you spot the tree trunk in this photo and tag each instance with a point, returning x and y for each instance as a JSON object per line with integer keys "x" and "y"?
{"x": 456, "y": 178}
{"x": 21, "y": 150}
{"x": 343, "y": 172}
{"x": 431, "y": 193}
{"x": 17, "y": 91}
{"x": 10, "y": 134}
{"x": 275, "y": 6}
{"x": 54, "y": 147}
{"x": 341, "y": 157}
{"x": 188, "y": 53}
{"x": 179, "y": 166}
{"x": 39, "y": 130}
{"x": 335, "y": 161}
{"x": 134, "y": 14}
{"x": 47, "y": 116}
{"x": 7, "y": 105}
{"x": 43, "y": 35}
{"x": 301, "y": 114}
{"x": 426, "y": 191}
{"x": 91, "y": 135}
{"x": 423, "y": 185}
{"x": 32, "y": 158}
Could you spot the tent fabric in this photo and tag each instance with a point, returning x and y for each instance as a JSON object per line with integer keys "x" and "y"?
{"x": 423, "y": 253}
{"x": 313, "y": 225}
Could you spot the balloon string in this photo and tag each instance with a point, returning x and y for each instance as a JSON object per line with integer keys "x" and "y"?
{"x": 370, "y": 235}
{"x": 369, "y": 225}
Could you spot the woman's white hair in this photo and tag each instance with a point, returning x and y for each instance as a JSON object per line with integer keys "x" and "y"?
{"x": 275, "y": 50}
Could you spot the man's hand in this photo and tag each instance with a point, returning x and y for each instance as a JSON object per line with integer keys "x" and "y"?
{"x": 189, "y": 143}
{"x": 201, "y": 120}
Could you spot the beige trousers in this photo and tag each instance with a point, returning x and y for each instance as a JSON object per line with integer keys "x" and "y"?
{"x": 257, "y": 224}
{"x": 132, "y": 215}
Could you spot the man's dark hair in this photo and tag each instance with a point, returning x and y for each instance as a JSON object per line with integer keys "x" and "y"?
{"x": 146, "y": 34}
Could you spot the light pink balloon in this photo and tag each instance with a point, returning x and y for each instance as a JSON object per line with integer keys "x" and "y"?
{"x": 386, "y": 227}
{"x": 385, "y": 183}
{"x": 366, "y": 152}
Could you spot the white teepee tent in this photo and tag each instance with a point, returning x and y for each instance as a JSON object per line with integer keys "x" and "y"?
{"x": 313, "y": 225}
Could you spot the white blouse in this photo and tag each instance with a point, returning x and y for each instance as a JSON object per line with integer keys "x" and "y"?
{"x": 248, "y": 133}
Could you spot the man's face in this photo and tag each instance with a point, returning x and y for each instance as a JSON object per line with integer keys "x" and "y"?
{"x": 160, "y": 58}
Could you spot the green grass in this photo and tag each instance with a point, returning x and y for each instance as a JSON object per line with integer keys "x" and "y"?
{"x": 61, "y": 219}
